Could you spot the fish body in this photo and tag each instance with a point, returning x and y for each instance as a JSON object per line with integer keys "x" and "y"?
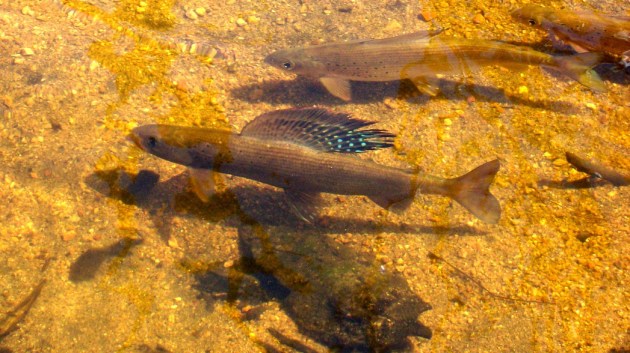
{"x": 309, "y": 151}
{"x": 595, "y": 169}
{"x": 584, "y": 31}
{"x": 419, "y": 57}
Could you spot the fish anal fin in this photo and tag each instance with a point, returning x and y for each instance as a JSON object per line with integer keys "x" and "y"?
{"x": 201, "y": 183}
{"x": 338, "y": 87}
{"x": 319, "y": 129}
{"x": 392, "y": 204}
{"x": 304, "y": 204}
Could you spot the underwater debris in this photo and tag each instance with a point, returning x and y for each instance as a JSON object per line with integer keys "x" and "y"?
{"x": 14, "y": 317}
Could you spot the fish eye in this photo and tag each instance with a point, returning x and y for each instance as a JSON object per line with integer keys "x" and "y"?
{"x": 152, "y": 141}
{"x": 287, "y": 65}
{"x": 532, "y": 21}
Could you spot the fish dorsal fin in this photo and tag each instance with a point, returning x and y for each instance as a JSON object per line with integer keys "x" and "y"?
{"x": 320, "y": 129}
{"x": 419, "y": 36}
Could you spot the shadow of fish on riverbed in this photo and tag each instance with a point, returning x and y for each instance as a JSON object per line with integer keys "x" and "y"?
{"x": 337, "y": 297}
{"x": 88, "y": 265}
{"x": 305, "y": 92}
{"x": 267, "y": 206}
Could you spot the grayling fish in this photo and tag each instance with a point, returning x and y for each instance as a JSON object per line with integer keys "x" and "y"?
{"x": 419, "y": 57}
{"x": 583, "y": 31}
{"x": 308, "y": 151}
{"x": 595, "y": 169}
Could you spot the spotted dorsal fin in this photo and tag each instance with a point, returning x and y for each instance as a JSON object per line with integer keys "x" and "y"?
{"x": 319, "y": 129}
{"x": 419, "y": 36}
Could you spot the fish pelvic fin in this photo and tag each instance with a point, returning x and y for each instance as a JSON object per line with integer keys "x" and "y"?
{"x": 579, "y": 68}
{"x": 472, "y": 190}
{"x": 201, "y": 183}
{"x": 304, "y": 204}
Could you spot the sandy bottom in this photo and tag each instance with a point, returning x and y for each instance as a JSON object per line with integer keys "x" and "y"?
{"x": 103, "y": 248}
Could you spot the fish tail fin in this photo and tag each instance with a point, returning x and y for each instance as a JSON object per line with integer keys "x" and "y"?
{"x": 472, "y": 190}
{"x": 579, "y": 67}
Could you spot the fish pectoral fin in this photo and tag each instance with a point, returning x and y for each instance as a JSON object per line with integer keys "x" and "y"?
{"x": 623, "y": 35}
{"x": 201, "y": 183}
{"x": 578, "y": 48}
{"x": 427, "y": 85}
{"x": 304, "y": 204}
{"x": 338, "y": 87}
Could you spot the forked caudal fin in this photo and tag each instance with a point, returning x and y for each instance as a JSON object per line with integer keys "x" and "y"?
{"x": 472, "y": 191}
{"x": 578, "y": 67}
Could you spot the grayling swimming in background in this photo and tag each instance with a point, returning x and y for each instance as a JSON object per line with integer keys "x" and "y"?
{"x": 309, "y": 151}
{"x": 583, "y": 31}
{"x": 420, "y": 57}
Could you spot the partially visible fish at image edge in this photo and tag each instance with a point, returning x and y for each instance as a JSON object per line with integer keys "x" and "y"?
{"x": 584, "y": 31}
{"x": 420, "y": 57}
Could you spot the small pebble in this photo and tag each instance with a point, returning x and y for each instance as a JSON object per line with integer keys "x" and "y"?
{"x": 27, "y": 51}
{"x": 172, "y": 242}
{"x": 559, "y": 162}
{"x": 426, "y": 15}
{"x": 393, "y": 26}
{"x": 240, "y": 22}
{"x": 391, "y": 103}
{"x": 200, "y": 11}
{"x": 523, "y": 90}
{"x": 478, "y": 19}
{"x": 591, "y": 105}
{"x": 253, "y": 19}
{"x": 26, "y": 10}
{"x": 191, "y": 14}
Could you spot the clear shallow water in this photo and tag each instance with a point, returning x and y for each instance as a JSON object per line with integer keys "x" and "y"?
{"x": 133, "y": 263}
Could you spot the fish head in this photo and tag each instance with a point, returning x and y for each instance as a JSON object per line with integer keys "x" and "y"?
{"x": 294, "y": 60}
{"x": 532, "y": 15}
{"x": 161, "y": 141}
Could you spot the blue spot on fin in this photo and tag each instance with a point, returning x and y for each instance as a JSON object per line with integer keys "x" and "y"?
{"x": 320, "y": 129}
